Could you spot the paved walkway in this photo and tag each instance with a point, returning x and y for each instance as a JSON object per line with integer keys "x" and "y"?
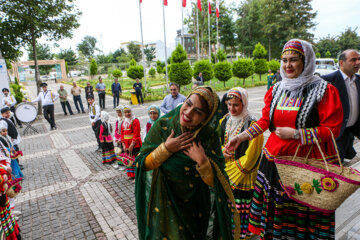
{"x": 69, "y": 194}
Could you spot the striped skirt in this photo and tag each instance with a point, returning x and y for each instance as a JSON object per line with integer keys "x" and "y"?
{"x": 243, "y": 202}
{"x": 8, "y": 222}
{"x": 274, "y": 216}
{"x": 108, "y": 152}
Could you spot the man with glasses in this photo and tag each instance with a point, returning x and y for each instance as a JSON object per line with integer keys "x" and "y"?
{"x": 172, "y": 100}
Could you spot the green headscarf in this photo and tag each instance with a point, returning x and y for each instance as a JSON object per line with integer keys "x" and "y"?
{"x": 172, "y": 201}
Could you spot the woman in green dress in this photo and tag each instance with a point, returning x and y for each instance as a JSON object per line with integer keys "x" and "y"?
{"x": 180, "y": 179}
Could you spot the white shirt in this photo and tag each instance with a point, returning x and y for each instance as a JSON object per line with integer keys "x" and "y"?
{"x": 46, "y": 98}
{"x": 94, "y": 112}
{"x": 9, "y": 99}
{"x": 353, "y": 98}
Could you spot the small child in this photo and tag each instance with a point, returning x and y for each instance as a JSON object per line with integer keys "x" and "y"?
{"x": 117, "y": 135}
{"x": 154, "y": 114}
{"x": 13, "y": 154}
{"x": 106, "y": 139}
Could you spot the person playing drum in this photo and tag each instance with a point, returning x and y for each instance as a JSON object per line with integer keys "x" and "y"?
{"x": 47, "y": 98}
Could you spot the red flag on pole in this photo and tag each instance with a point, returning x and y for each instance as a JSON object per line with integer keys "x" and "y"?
{"x": 217, "y": 8}
{"x": 165, "y": 2}
{"x": 140, "y": 1}
{"x": 209, "y": 7}
{"x": 199, "y": 5}
{"x": 184, "y": 3}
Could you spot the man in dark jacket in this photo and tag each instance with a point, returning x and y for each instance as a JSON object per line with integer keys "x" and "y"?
{"x": 116, "y": 92}
{"x": 348, "y": 84}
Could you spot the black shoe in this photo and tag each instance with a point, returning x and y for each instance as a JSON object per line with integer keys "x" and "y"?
{"x": 65, "y": 114}
{"x": 51, "y": 128}
{"x": 78, "y": 112}
{"x": 71, "y": 113}
{"x": 83, "y": 112}
{"x": 21, "y": 166}
{"x": 20, "y": 126}
{"x": 55, "y": 127}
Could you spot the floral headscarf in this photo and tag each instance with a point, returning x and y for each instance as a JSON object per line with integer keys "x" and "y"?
{"x": 128, "y": 121}
{"x": 242, "y": 94}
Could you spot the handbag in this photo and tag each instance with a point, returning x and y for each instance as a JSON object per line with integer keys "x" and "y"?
{"x": 319, "y": 185}
{"x": 127, "y": 159}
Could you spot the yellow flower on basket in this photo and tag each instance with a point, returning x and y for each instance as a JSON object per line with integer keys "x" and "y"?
{"x": 329, "y": 184}
{"x": 307, "y": 188}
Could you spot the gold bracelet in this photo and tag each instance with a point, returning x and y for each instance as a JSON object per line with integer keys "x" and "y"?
{"x": 161, "y": 154}
{"x": 205, "y": 170}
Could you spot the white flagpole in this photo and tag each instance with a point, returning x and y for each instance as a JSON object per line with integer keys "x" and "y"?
{"x": 142, "y": 45}
{"x": 217, "y": 34}
{"x": 166, "y": 70}
{"x": 198, "y": 37}
{"x": 182, "y": 26}
{"x": 209, "y": 32}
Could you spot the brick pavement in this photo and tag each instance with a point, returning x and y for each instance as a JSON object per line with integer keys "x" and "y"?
{"x": 69, "y": 194}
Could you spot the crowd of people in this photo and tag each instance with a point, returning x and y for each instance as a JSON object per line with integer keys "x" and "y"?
{"x": 199, "y": 165}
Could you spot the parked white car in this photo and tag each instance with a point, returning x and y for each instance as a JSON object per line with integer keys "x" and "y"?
{"x": 324, "y": 69}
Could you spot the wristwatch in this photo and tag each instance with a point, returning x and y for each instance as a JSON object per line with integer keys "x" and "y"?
{"x": 296, "y": 134}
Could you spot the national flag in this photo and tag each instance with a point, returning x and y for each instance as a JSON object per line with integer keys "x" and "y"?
{"x": 165, "y": 2}
{"x": 209, "y": 7}
{"x": 199, "y": 5}
{"x": 217, "y": 8}
{"x": 184, "y": 3}
{"x": 140, "y": 1}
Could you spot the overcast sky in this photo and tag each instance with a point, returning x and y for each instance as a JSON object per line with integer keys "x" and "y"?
{"x": 116, "y": 21}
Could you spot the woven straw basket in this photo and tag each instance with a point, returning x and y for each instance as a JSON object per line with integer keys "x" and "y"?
{"x": 317, "y": 184}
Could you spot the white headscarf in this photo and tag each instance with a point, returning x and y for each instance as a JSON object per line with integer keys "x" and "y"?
{"x": 104, "y": 117}
{"x": 307, "y": 78}
{"x": 128, "y": 121}
{"x": 121, "y": 109}
{"x": 242, "y": 94}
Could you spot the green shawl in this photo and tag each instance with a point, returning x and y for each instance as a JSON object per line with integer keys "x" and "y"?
{"x": 172, "y": 201}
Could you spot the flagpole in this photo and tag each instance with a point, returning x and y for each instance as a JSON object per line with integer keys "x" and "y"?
{"x": 209, "y": 31}
{"x": 166, "y": 69}
{"x": 198, "y": 37}
{"x": 217, "y": 34}
{"x": 142, "y": 45}
{"x": 182, "y": 26}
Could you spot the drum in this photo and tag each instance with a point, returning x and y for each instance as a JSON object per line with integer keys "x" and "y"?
{"x": 26, "y": 112}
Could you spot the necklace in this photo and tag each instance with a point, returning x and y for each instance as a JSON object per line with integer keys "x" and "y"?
{"x": 230, "y": 132}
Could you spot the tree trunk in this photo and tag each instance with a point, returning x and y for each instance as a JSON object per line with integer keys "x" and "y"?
{"x": 37, "y": 74}
{"x": 260, "y": 77}
{"x": 224, "y": 84}
{"x": 269, "y": 50}
{"x": 244, "y": 81}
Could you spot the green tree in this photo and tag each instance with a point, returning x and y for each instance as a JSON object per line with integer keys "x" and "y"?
{"x": 152, "y": 72}
{"x": 150, "y": 54}
{"x": 179, "y": 71}
{"x": 133, "y": 62}
{"x": 205, "y": 68}
{"x": 88, "y": 46}
{"x": 123, "y": 58}
{"x": 43, "y": 53}
{"x": 27, "y": 21}
{"x": 328, "y": 54}
{"x": 349, "y": 39}
{"x": 274, "y": 65}
{"x": 93, "y": 67}
{"x": 119, "y": 53}
{"x": 102, "y": 58}
{"x": 328, "y": 44}
{"x": 317, "y": 55}
{"x": 259, "y": 51}
{"x": 135, "y": 72}
{"x": 261, "y": 66}
{"x": 223, "y": 71}
{"x": 135, "y": 51}
{"x": 243, "y": 68}
{"x": 66, "y": 67}
{"x": 68, "y": 55}
{"x": 221, "y": 55}
{"x": 160, "y": 67}
{"x": 117, "y": 73}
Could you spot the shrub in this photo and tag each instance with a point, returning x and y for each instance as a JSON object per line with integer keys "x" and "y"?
{"x": 152, "y": 72}
{"x": 221, "y": 55}
{"x": 178, "y": 55}
{"x": 132, "y": 62}
{"x": 16, "y": 88}
{"x": 223, "y": 71}
{"x": 273, "y": 65}
{"x": 243, "y": 68}
{"x": 328, "y": 54}
{"x": 261, "y": 66}
{"x": 93, "y": 67}
{"x": 160, "y": 67}
{"x": 117, "y": 73}
{"x": 180, "y": 73}
{"x": 205, "y": 67}
{"x": 212, "y": 58}
{"x": 259, "y": 51}
{"x": 135, "y": 72}
{"x": 318, "y": 55}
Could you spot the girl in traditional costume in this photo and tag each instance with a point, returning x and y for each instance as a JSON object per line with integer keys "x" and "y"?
{"x": 130, "y": 138}
{"x": 183, "y": 151}
{"x": 154, "y": 114}
{"x": 117, "y": 135}
{"x": 106, "y": 139}
{"x": 243, "y": 163}
{"x": 297, "y": 110}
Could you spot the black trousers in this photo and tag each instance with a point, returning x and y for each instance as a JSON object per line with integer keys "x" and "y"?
{"x": 102, "y": 100}
{"x": 96, "y": 129}
{"x": 345, "y": 144}
{"x": 12, "y": 108}
{"x": 64, "y": 105}
{"x": 116, "y": 99}
{"x": 139, "y": 96}
{"x": 49, "y": 114}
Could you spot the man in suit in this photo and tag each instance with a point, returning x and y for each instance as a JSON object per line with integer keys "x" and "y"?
{"x": 348, "y": 83}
